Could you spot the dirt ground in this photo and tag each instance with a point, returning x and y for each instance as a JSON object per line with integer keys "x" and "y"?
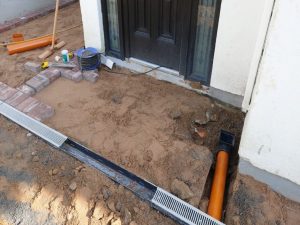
{"x": 141, "y": 123}
{"x": 252, "y": 202}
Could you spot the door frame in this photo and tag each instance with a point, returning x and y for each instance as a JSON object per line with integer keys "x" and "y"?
{"x": 192, "y": 40}
{"x": 188, "y": 28}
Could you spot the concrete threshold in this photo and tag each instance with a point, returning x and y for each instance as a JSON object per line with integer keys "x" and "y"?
{"x": 162, "y": 73}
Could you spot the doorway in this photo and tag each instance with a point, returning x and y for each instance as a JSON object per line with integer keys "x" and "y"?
{"x": 176, "y": 34}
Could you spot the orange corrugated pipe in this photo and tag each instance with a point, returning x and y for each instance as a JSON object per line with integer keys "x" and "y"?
{"x": 27, "y": 45}
{"x": 215, "y": 205}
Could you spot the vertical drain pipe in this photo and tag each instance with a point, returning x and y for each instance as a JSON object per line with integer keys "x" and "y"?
{"x": 215, "y": 205}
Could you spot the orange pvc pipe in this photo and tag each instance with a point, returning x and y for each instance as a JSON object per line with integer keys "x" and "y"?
{"x": 215, "y": 204}
{"x": 29, "y": 44}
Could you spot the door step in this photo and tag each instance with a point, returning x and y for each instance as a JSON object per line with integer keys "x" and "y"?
{"x": 158, "y": 198}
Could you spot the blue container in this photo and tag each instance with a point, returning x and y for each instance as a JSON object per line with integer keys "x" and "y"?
{"x": 88, "y": 58}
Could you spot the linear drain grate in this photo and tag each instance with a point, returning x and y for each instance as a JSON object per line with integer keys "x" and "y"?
{"x": 177, "y": 208}
{"x": 36, "y": 127}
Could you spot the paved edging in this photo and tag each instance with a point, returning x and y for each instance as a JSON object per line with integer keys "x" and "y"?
{"x": 31, "y": 16}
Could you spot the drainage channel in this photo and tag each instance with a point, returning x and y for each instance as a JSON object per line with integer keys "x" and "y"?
{"x": 163, "y": 201}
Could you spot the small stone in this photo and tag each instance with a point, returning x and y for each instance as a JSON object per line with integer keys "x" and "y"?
{"x": 213, "y": 117}
{"x": 203, "y": 204}
{"x": 29, "y": 134}
{"x": 19, "y": 155}
{"x": 106, "y": 193}
{"x": 235, "y": 220}
{"x": 111, "y": 205}
{"x": 202, "y": 132}
{"x": 35, "y": 159}
{"x": 116, "y": 99}
{"x": 116, "y": 222}
{"x": 133, "y": 223}
{"x": 109, "y": 218}
{"x": 62, "y": 168}
{"x": 50, "y": 172}
{"x": 34, "y": 153}
{"x": 73, "y": 186}
{"x": 55, "y": 171}
{"x": 136, "y": 210}
{"x": 127, "y": 216}
{"x": 175, "y": 115}
{"x": 194, "y": 201}
{"x": 98, "y": 212}
{"x": 118, "y": 206}
{"x": 79, "y": 168}
{"x": 180, "y": 189}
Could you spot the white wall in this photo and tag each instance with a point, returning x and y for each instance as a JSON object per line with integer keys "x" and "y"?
{"x": 91, "y": 12}
{"x": 271, "y": 135}
{"x": 10, "y": 9}
{"x": 239, "y": 26}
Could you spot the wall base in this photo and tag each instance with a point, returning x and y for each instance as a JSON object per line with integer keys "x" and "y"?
{"x": 277, "y": 183}
{"x": 224, "y": 96}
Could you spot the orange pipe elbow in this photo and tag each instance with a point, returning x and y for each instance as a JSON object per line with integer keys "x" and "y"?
{"x": 29, "y": 44}
{"x": 215, "y": 205}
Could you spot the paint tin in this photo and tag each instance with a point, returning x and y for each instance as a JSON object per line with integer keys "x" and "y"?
{"x": 65, "y": 56}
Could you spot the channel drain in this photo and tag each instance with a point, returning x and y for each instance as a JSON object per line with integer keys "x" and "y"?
{"x": 52, "y": 136}
{"x": 179, "y": 209}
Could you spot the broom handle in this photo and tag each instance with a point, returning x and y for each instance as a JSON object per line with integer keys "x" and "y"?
{"x": 54, "y": 25}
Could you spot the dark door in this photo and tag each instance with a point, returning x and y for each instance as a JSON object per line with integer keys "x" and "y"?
{"x": 155, "y": 31}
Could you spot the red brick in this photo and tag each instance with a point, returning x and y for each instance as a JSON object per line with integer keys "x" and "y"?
{"x": 28, "y": 104}
{"x": 17, "y": 98}
{"x": 26, "y": 89}
{"x": 52, "y": 74}
{"x": 38, "y": 82}
{"x": 41, "y": 112}
{"x": 6, "y": 92}
{"x": 71, "y": 75}
{"x": 91, "y": 75}
{"x": 33, "y": 67}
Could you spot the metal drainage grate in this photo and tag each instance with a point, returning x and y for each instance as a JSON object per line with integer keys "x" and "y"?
{"x": 177, "y": 208}
{"x": 52, "y": 136}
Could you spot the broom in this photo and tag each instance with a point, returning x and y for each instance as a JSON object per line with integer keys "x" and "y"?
{"x": 49, "y": 52}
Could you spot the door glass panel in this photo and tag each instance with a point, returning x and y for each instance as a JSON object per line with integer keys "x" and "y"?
{"x": 113, "y": 25}
{"x": 205, "y": 38}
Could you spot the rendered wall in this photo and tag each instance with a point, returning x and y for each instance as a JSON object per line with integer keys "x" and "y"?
{"x": 10, "y": 9}
{"x": 92, "y": 24}
{"x": 239, "y": 26}
{"x": 270, "y": 139}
